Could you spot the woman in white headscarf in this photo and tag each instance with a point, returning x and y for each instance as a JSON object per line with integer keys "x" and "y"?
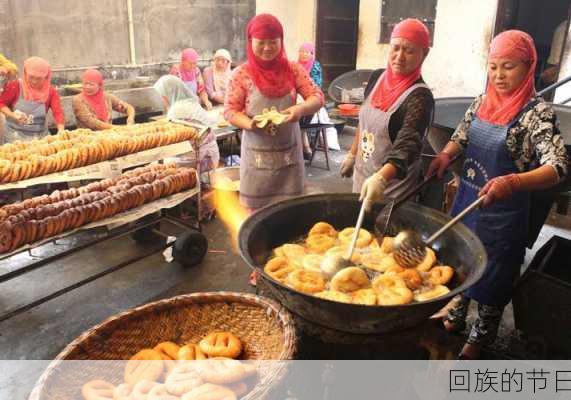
{"x": 180, "y": 103}
{"x": 217, "y": 76}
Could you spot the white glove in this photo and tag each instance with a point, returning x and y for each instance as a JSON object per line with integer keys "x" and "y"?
{"x": 373, "y": 190}
{"x": 347, "y": 166}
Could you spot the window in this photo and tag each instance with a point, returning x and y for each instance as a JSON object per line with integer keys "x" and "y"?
{"x": 394, "y": 11}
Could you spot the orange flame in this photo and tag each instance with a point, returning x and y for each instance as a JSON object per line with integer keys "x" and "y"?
{"x": 230, "y": 212}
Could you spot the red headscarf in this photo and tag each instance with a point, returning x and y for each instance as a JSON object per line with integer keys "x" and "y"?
{"x": 97, "y": 100}
{"x": 39, "y": 67}
{"x": 501, "y": 109}
{"x": 310, "y": 48}
{"x": 273, "y": 78}
{"x": 392, "y": 85}
{"x": 188, "y": 75}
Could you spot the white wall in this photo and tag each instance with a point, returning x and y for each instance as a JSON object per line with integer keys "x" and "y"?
{"x": 456, "y": 65}
{"x": 298, "y": 18}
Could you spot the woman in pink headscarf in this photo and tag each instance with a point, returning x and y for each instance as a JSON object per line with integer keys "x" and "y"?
{"x": 271, "y": 167}
{"x": 93, "y": 107}
{"x": 306, "y": 57}
{"x": 189, "y": 73}
{"x": 512, "y": 147}
{"x": 26, "y": 102}
{"x": 393, "y": 120}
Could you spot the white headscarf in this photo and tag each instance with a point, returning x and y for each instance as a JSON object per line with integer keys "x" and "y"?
{"x": 221, "y": 78}
{"x": 183, "y": 104}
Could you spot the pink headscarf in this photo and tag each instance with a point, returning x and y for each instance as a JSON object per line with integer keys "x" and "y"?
{"x": 273, "y": 78}
{"x": 392, "y": 85}
{"x": 97, "y": 100}
{"x": 310, "y": 48}
{"x": 188, "y": 55}
{"x": 501, "y": 109}
{"x": 39, "y": 67}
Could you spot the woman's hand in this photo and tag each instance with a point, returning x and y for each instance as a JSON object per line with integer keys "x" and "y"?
{"x": 207, "y": 104}
{"x": 19, "y": 117}
{"x": 500, "y": 188}
{"x": 293, "y": 114}
{"x": 130, "y": 120}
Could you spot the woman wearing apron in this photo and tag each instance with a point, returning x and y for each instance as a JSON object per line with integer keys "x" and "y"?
{"x": 28, "y": 100}
{"x": 512, "y": 146}
{"x": 272, "y": 166}
{"x": 385, "y": 155}
{"x": 190, "y": 74}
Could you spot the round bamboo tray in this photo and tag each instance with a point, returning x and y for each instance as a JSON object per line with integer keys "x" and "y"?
{"x": 265, "y": 328}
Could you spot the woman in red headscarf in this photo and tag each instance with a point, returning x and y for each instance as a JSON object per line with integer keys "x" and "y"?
{"x": 26, "y": 102}
{"x": 512, "y": 147}
{"x": 93, "y": 107}
{"x": 190, "y": 74}
{"x": 393, "y": 120}
{"x": 271, "y": 166}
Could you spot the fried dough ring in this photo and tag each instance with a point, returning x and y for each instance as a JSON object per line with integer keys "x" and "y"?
{"x": 377, "y": 261}
{"x": 191, "y": 352}
{"x": 349, "y": 280}
{"x": 167, "y": 350}
{"x": 436, "y": 291}
{"x": 411, "y": 278}
{"x": 387, "y": 281}
{"x": 221, "y": 370}
{"x": 440, "y": 275}
{"x": 391, "y": 296}
{"x": 320, "y": 243}
{"x": 306, "y": 281}
{"x": 428, "y": 262}
{"x": 363, "y": 239}
{"x": 142, "y": 389}
{"x": 334, "y": 296}
{"x": 294, "y": 253}
{"x": 209, "y": 391}
{"x": 342, "y": 251}
{"x": 366, "y": 297}
{"x": 221, "y": 344}
{"x": 323, "y": 228}
{"x": 312, "y": 262}
{"x": 147, "y": 364}
{"x": 97, "y": 390}
{"x": 279, "y": 268}
{"x": 183, "y": 379}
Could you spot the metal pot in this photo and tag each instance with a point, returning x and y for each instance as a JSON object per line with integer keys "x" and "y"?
{"x": 288, "y": 220}
{"x": 220, "y": 176}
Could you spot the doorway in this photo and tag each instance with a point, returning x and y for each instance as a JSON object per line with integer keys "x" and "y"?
{"x": 547, "y": 22}
{"x": 337, "y": 31}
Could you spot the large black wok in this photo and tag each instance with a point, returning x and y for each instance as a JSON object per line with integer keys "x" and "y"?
{"x": 286, "y": 221}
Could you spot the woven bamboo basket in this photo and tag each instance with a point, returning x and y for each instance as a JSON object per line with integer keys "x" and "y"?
{"x": 265, "y": 328}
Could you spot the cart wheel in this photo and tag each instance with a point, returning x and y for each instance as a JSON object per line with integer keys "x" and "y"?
{"x": 190, "y": 248}
{"x": 147, "y": 236}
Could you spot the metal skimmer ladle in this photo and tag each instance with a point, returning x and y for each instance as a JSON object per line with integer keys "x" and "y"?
{"x": 410, "y": 249}
{"x": 335, "y": 263}
{"x": 382, "y": 222}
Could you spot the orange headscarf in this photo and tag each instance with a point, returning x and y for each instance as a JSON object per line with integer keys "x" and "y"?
{"x": 97, "y": 100}
{"x": 501, "y": 109}
{"x": 393, "y": 85}
{"x": 37, "y": 66}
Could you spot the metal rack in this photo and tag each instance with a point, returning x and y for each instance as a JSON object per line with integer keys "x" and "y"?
{"x": 189, "y": 247}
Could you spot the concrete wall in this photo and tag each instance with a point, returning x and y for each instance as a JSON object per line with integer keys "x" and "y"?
{"x": 77, "y": 33}
{"x": 456, "y": 65}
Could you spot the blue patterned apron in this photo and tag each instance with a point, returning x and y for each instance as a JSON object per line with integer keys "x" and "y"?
{"x": 503, "y": 226}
